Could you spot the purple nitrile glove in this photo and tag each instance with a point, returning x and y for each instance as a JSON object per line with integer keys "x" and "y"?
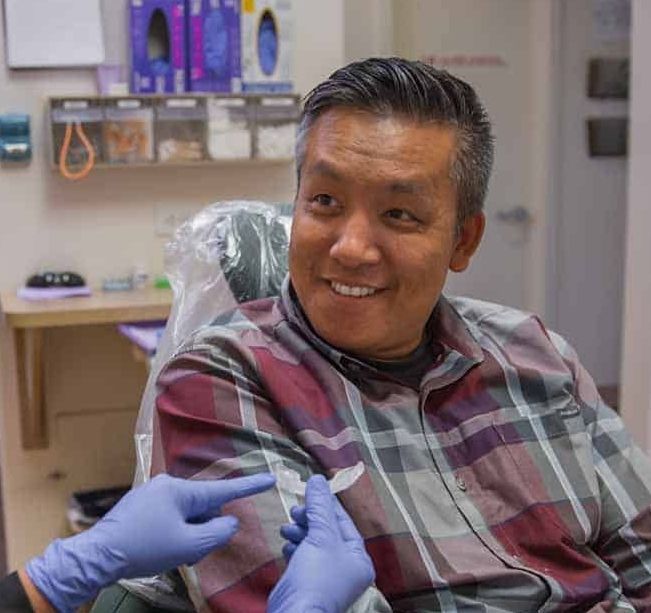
{"x": 158, "y": 526}
{"x": 329, "y": 567}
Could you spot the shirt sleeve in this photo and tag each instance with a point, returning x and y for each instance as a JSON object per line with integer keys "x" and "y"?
{"x": 13, "y": 598}
{"x": 214, "y": 420}
{"x": 623, "y": 474}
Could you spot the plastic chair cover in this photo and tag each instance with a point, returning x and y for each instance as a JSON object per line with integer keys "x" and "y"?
{"x": 230, "y": 252}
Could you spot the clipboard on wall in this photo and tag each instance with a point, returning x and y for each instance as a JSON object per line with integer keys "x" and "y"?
{"x": 53, "y": 33}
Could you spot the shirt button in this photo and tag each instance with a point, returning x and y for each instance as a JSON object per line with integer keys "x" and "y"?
{"x": 461, "y": 484}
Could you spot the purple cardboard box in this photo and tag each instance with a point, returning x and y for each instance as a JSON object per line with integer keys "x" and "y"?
{"x": 158, "y": 46}
{"x": 214, "y": 46}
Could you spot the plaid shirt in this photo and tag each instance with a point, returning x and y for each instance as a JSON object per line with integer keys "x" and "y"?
{"x": 503, "y": 484}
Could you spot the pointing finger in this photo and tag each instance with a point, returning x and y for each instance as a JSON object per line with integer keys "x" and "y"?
{"x": 197, "y": 498}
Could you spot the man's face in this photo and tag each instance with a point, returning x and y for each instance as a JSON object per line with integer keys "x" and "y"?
{"x": 374, "y": 230}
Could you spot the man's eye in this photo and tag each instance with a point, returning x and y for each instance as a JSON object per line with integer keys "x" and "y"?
{"x": 400, "y": 215}
{"x": 324, "y": 199}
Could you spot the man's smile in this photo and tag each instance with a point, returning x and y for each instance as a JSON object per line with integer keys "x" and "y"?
{"x": 355, "y": 291}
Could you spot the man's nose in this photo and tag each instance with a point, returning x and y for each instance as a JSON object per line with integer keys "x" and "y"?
{"x": 356, "y": 243}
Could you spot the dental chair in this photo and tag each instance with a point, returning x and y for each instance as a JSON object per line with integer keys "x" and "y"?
{"x": 229, "y": 253}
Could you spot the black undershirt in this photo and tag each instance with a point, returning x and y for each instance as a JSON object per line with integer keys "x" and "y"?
{"x": 13, "y": 598}
{"x": 411, "y": 369}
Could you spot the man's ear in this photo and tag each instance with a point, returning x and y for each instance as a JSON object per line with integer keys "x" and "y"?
{"x": 467, "y": 242}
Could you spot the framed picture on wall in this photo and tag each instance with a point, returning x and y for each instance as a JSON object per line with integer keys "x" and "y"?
{"x": 607, "y": 136}
{"x": 53, "y": 33}
{"x": 608, "y": 78}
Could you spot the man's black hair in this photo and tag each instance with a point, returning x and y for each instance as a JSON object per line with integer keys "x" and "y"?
{"x": 419, "y": 92}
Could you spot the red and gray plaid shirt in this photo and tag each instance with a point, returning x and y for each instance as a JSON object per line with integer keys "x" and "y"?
{"x": 504, "y": 484}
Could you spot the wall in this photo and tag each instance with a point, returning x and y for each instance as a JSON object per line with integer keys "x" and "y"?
{"x": 636, "y": 362}
{"x": 591, "y": 205}
{"x": 368, "y": 29}
{"x": 103, "y": 226}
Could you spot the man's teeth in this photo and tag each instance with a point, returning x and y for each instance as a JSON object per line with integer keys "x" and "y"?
{"x": 353, "y": 290}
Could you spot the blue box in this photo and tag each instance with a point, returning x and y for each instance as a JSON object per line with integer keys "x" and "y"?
{"x": 214, "y": 46}
{"x": 158, "y": 46}
{"x": 267, "y": 46}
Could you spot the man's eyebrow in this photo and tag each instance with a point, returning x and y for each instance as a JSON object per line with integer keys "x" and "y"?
{"x": 405, "y": 187}
{"x": 322, "y": 167}
{"x": 325, "y": 168}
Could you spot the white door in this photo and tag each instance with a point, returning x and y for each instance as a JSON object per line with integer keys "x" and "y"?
{"x": 488, "y": 44}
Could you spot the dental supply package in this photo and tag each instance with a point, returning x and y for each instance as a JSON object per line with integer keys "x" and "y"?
{"x": 128, "y": 131}
{"x": 158, "y": 46}
{"x": 180, "y": 129}
{"x": 276, "y": 120}
{"x": 267, "y": 46}
{"x": 214, "y": 46}
{"x": 85, "y": 116}
{"x": 15, "y": 138}
{"x": 230, "y": 128}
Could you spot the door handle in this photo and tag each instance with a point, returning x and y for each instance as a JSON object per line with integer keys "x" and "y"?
{"x": 518, "y": 215}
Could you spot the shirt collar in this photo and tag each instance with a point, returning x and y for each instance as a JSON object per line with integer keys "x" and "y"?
{"x": 454, "y": 335}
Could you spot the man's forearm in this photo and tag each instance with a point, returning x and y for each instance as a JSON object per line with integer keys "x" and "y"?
{"x": 39, "y": 603}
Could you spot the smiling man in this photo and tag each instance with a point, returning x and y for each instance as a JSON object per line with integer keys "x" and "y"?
{"x": 374, "y": 229}
{"x": 495, "y": 477}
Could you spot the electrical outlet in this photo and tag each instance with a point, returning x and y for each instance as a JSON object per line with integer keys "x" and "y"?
{"x": 168, "y": 217}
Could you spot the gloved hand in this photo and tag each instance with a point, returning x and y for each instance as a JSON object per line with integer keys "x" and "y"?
{"x": 155, "y": 527}
{"x": 329, "y": 568}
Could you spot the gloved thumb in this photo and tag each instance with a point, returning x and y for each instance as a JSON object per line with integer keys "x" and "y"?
{"x": 320, "y": 510}
{"x": 212, "y": 535}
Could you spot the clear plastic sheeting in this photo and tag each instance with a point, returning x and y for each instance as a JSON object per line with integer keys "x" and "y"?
{"x": 290, "y": 481}
{"x": 228, "y": 253}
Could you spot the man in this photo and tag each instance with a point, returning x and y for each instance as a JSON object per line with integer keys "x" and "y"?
{"x": 132, "y": 541}
{"x": 495, "y": 477}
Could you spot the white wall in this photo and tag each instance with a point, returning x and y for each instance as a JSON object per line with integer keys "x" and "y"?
{"x": 103, "y": 226}
{"x": 636, "y": 362}
{"x": 368, "y": 29}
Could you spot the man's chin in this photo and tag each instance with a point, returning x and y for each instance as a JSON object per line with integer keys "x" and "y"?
{"x": 347, "y": 343}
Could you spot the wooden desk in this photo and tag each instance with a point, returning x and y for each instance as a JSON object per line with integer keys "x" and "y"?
{"x": 28, "y": 320}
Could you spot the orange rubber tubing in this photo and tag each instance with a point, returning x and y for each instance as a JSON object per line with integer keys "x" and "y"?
{"x": 65, "y": 147}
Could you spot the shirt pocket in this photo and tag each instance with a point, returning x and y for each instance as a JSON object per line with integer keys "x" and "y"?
{"x": 548, "y": 458}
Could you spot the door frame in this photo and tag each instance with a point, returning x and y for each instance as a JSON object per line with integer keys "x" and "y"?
{"x": 542, "y": 259}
